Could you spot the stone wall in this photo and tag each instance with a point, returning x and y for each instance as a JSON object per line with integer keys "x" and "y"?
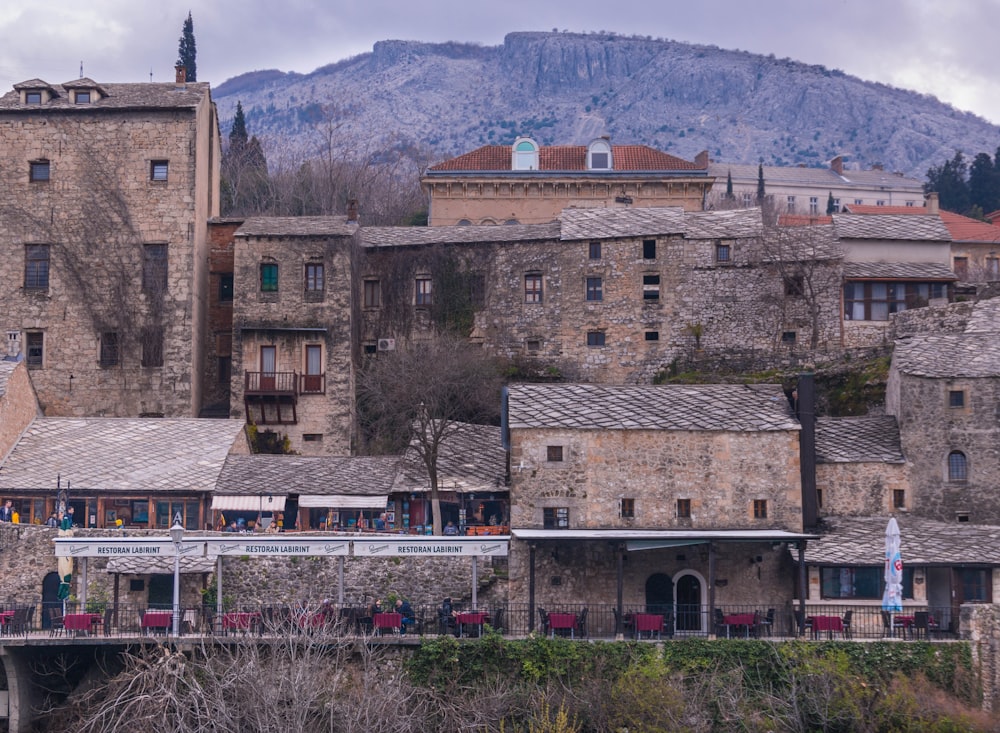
{"x": 18, "y": 405}
{"x": 219, "y": 329}
{"x": 951, "y": 318}
{"x": 98, "y": 210}
{"x": 861, "y": 489}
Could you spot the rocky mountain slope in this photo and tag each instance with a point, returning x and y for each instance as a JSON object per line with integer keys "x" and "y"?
{"x": 432, "y": 101}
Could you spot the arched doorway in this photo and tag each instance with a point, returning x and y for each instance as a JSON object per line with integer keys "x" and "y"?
{"x": 659, "y": 594}
{"x": 50, "y": 598}
{"x": 690, "y": 602}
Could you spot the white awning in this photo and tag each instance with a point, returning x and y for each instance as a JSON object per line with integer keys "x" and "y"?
{"x": 249, "y": 503}
{"x": 343, "y": 501}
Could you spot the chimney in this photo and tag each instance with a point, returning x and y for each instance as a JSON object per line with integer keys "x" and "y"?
{"x": 352, "y": 210}
{"x": 931, "y": 203}
{"x": 701, "y": 159}
{"x": 837, "y": 165}
{"x": 181, "y": 75}
{"x": 805, "y": 409}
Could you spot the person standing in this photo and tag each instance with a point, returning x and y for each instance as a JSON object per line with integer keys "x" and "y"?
{"x": 7, "y": 511}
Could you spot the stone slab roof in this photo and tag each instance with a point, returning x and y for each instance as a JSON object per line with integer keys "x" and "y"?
{"x": 117, "y": 97}
{"x": 157, "y": 565}
{"x": 412, "y": 236}
{"x": 642, "y": 221}
{"x": 861, "y": 541}
{"x": 353, "y": 475}
{"x": 949, "y": 355}
{"x": 814, "y": 177}
{"x": 472, "y": 458}
{"x": 793, "y": 243}
{"x": 121, "y": 454}
{"x": 962, "y": 228}
{"x": 565, "y": 158}
{"x": 869, "y": 439}
{"x": 985, "y": 317}
{"x": 297, "y": 226}
{"x": 909, "y": 228}
{"x": 6, "y": 370}
{"x": 712, "y": 407}
{"x": 898, "y": 271}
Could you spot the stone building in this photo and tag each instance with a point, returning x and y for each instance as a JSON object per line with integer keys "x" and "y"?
{"x": 686, "y": 481}
{"x": 294, "y": 334}
{"x": 18, "y": 404}
{"x": 107, "y": 190}
{"x": 526, "y": 183}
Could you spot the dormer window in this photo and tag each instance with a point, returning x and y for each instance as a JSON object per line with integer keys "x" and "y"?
{"x": 525, "y": 155}
{"x": 81, "y": 96}
{"x": 32, "y": 97}
{"x": 599, "y": 155}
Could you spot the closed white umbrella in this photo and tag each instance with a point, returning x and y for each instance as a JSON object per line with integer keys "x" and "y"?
{"x": 892, "y": 598}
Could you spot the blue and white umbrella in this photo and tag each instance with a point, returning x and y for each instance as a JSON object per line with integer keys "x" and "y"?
{"x": 892, "y": 598}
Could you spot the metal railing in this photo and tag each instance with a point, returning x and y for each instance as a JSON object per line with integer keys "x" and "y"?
{"x": 576, "y": 621}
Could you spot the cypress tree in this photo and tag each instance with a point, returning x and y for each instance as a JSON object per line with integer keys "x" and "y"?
{"x": 729, "y": 186}
{"x": 760, "y": 183}
{"x": 186, "y": 50}
{"x": 238, "y": 134}
{"x": 831, "y": 207}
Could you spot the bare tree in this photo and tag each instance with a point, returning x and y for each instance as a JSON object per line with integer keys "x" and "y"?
{"x": 419, "y": 397}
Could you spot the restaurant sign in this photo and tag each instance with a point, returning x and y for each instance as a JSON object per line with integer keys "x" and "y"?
{"x": 429, "y": 548}
{"x": 122, "y": 547}
{"x": 279, "y": 547}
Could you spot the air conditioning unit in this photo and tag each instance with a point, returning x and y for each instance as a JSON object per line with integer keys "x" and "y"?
{"x": 387, "y": 344}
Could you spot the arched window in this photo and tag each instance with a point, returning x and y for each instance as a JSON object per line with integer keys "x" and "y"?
{"x": 599, "y": 155}
{"x": 958, "y": 467}
{"x": 525, "y": 155}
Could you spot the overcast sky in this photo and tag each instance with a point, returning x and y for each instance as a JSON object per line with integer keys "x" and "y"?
{"x": 947, "y": 49}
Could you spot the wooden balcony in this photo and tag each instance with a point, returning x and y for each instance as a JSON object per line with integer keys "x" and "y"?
{"x": 270, "y": 383}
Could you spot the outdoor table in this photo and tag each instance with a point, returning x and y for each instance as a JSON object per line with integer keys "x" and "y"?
{"x": 829, "y": 624}
{"x": 5, "y": 618}
{"x": 387, "y": 621}
{"x": 648, "y": 622}
{"x": 562, "y": 621}
{"x": 154, "y": 621}
{"x": 476, "y": 619}
{"x": 82, "y": 623}
{"x": 904, "y": 621}
{"x": 746, "y": 620}
{"x": 240, "y": 621}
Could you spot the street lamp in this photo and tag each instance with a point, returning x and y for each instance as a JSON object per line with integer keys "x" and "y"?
{"x": 176, "y": 535}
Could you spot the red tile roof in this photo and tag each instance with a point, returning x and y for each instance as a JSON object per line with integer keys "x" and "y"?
{"x": 961, "y": 228}
{"x": 803, "y": 220}
{"x": 568, "y": 158}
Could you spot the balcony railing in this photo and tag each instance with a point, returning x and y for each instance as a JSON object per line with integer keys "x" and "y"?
{"x": 272, "y": 383}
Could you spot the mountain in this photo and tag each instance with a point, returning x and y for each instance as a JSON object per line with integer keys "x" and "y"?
{"x": 437, "y": 100}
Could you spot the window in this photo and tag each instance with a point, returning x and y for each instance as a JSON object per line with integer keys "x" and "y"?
{"x": 36, "y": 267}
{"x": 899, "y": 498}
{"x": 553, "y": 453}
{"x": 595, "y": 250}
{"x": 683, "y": 508}
{"x": 312, "y": 437}
{"x": 958, "y": 468}
{"x": 372, "y": 294}
{"x": 760, "y": 508}
{"x": 993, "y": 268}
{"x": 32, "y": 97}
{"x": 956, "y": 398}
{"x": 860, "y": 583}
{"x": 109, "y": 349}
{"x": 555, "y": 517}
{"x": 154, "y": 268}
{"x": 152, "y": 347}
{"x": 788, "y": 338}
{"x": 819, "y": 498}
{"x": 423, "y": 291}
{"x": 813, "y": 205}
{"x": 38, "y": 171}
{"x": 225, "y": 367}
{"x": 599, "y": 155}
{"x": 226, "y": 287}
{"x": 836, "y": 205}
{"x": 961, "y": 267}
{"x": 875, "y": 301}
{"x": 312, "y": 380}
{"x": 533, "y": 345}
{"x": 34, "y": 348}
{"x": 533, "y": 287}
{"x": 650, "y": 287}
{"x": 525, "y": 155}
{"x": 880, "y": 202}
{"x": 649, "y": 249}
{"x": 627, "y": 509}
{"x": 974, "y": 585}
{"x": 371, "y": 348}
{"x": 82, "y": 97}
{"x": 268, "y": 277}
{"x": 158, "y": 170}
{"x": 594, "y": 289}
{"x": 595, "y": 338}
{"x": 748, "y": 200}
{"x": 652, "y": 335}
{"x": 314, "y": 277}
{"x": 794, "y": 285}
{"x": 722, "y": 253}
{"x": 858, "y": 202}
{"x": 791, "y": 204}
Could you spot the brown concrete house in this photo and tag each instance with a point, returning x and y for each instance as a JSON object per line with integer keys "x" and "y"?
{"x": 528, "y": 183}
{"x": 107, "y": 190}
